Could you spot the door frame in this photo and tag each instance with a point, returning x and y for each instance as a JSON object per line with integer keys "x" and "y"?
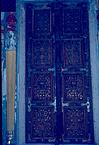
{"x": 20, "y": 139}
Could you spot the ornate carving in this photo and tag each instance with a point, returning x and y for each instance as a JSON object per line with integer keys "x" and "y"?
{"x": 73, "y": 87}
{"x": 11, "y": 42}
{"x": 42, "y": 22}
{"x": 72, "y": 21}
{"x": 11, "y": 31}
{"x": 42, "y": 122}
{"x": 59, "y": 40}
{"x": 75, "y": 123}
{"x": 42, "y": 87}
{"x": 42, "y": 50}
{"x": 72, "y": 53}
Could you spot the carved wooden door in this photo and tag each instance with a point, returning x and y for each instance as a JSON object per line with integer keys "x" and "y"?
{"x": 58, "y": 77}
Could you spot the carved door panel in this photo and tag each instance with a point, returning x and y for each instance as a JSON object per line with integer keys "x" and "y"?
{"x": 58, "y": 96}
{"x": 76, "y": 77}
{"x": 40, "y": 78}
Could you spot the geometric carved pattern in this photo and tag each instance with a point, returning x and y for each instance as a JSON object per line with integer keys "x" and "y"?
{"x": 42, "y": 120}
{"x": 42, "y": 50}
{"x": 75, "y": 122}
{"x": 72, "y": 53}
{"x": 72, "y": 21}
{"x": 42, "y": 87}
{"x": 73, "y": 87}
{"x": 41, "y": 22}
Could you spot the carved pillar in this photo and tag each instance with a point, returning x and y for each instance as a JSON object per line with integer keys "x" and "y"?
{"x": 10, "y": 73}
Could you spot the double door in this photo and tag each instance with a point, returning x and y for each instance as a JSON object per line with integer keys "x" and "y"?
{"x": 58, "y": 96}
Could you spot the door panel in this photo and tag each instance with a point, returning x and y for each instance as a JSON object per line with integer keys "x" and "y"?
{"x": 42, "y": 23}
{"x": 58, "y": 74}
{"x": 74, "y": 88}
{"x": 43, "y": 120}
{"x": 40, "y": 79}
{"x": 43, "y": 50}
{"x": 72, "y": 20}
{"x": 75, "y": 123}
{"x": 73, "y": 52}
{"x": 42, "y": 84}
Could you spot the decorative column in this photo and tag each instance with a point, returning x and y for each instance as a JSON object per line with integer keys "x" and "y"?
{"x": 10, "y": 73}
